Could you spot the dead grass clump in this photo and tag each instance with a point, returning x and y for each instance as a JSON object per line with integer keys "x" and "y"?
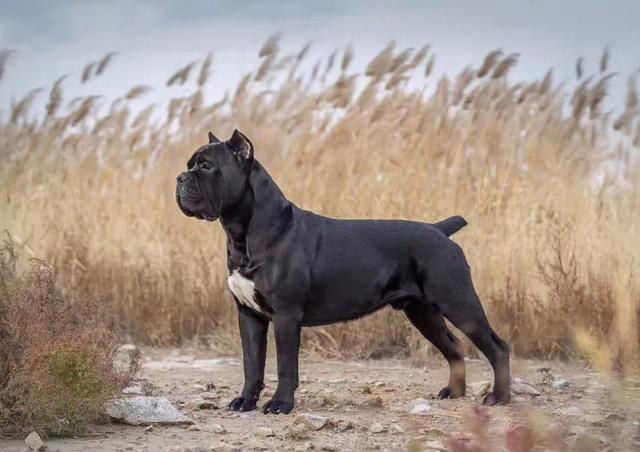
{"x": 56, "y": 353}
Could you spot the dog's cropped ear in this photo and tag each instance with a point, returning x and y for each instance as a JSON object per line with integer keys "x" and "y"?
{"x": 192, "y": 161}
{"x": 241, "y": 145}
{"x": 213, "y": 139}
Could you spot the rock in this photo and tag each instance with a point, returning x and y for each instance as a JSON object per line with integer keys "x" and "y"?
{"x": 299, "y": 431}
{"x": 417, "y": 406}
{"x": 141, "y": 388}
{"x": 217, "y": 428}
{"x": 201, "y": 404}
{"x": 615, "y": 417}
{"x": 34, "y": 442}
{"x": 256, "y": 444}
{"x": 133, "y": 390}
{"x": 306, "y": 447}
{"x": 224, "y": 447}
{"x": 571, "y": 411}
{"x": 313, "y": 421}
{"x": 199, "y": 388}
{"x": 265, "y": 432}
{"x": 193, "y": 428}
{"x": 435, "y": 445}
{"x": 377, "y": 428}
{"x": 397, "y": 429}
{"x": 560, "y": 383}
{"x": 145, "y": 410}
{"x": 409, "y": 405}
{"x": 209, "y": 396}
{"x": 522, "y": 387}
{"x": 479, "y": 388}
{"x": 586, "y": 442}
{"x": 366, "y": 390}
{"x": 148, "y": 429}
{"x": 594, "y": 419}
{"x": 422, "y": 408}
{"x": 374, "y": 402}
{"x": 379, "y": 384}
{"x": 343, "y": 426}
{"x": 329, "y": 447}
{"x": 333, "y": 381}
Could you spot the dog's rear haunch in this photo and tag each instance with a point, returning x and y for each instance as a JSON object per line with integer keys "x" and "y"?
{"x": 294, "y": 268}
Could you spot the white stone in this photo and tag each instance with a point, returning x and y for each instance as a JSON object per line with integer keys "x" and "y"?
{"x": 145, "y": 410}
{"x": 522, "y": 387}
{"x": 479, "y": 388}
{"x": 34, "y": 442}
{"x": 265, "y": 432}
{"x": 560, "y": 383}
{"x": 312, "y": 421}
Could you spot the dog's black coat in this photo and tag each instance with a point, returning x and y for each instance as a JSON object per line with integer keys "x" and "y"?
{"x": 295, "y": 268}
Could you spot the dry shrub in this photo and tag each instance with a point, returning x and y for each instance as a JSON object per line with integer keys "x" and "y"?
{"x": 550, "y": 189}
{"x": 56, "y": 353}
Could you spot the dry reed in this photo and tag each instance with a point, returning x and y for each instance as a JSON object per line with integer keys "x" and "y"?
{"x": 552, "y": 195}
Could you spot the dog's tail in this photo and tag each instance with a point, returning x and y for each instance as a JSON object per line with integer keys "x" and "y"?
{"x": 451, "y": 225}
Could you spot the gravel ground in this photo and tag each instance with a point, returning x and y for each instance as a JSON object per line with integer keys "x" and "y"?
{"x": 376, "y": 405}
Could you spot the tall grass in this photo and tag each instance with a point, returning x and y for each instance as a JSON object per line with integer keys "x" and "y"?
{"x": 547, "y": 174}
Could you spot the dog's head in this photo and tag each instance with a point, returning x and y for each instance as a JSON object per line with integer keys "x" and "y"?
{"x": 216, "y": 178}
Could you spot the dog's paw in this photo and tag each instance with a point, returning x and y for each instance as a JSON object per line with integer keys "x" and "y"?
{"x": 448, "y": 393}
{"x": 242, "y": 404}
{"x": 492, "y": 399}
{"x": 277, "y": 407}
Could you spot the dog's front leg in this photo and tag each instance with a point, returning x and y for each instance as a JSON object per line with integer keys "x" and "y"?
{"x": 287, "y": 332}
{"x": 253, "y": 332}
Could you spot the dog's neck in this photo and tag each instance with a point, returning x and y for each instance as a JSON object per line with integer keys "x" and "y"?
{"x": 259, "y": 217}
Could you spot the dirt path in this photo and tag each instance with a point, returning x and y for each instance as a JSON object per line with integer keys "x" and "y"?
{"x": 367, "y": 405}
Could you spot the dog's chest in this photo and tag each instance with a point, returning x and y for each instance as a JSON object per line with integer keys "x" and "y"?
{"x": 245, "y": 291}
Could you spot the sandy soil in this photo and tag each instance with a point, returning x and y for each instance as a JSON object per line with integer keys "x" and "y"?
{"x": 367, "y": 403}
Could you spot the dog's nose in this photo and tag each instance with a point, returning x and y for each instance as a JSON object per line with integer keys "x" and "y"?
{"x": 181, "y": 178}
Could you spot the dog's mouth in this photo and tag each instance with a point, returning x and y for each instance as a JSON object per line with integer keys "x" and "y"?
{"x": 192, "y": 204}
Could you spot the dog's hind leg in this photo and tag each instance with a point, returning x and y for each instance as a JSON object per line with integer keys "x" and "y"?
{"x": 464, "y": 310}
{"x": 429, "y": 321}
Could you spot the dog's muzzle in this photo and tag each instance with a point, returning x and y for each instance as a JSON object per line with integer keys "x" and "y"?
{"x": 190, "y": 199}
{"x": 187, "y": 190}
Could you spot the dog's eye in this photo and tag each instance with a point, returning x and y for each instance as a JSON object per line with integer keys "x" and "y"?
{"x": 205, "y": 166}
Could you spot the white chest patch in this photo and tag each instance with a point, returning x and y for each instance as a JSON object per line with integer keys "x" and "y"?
{"x": 245, "y": 290}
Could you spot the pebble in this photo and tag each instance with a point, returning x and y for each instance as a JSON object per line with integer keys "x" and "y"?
{"x": 217, "y": 428}
{"x": 343, "y": 426}
{"x": 571, "y": 411}
{"x": 312, "y": 421}
{"x": 522, "y": 387}
{"x": 265, "y": 432}
{"x": 299, "y": 431}
{"x": 586, "y": 442}
{"x": 615, "y": 417}
{"x": 417, "y": 406}
{"x": 201, "y": 404}
{"x": 224, "y": 447}
{"x": 397, "y": 429}
{"x": 377, "y": 428}
{"x": 479, "y": 388}
{"x": 560, "y": 383}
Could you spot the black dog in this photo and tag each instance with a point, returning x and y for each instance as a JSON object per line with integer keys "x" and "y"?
{"x": 294, "y": 268}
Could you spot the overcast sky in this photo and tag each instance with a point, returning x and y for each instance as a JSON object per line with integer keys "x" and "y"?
{"x": 155, "y": 37}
